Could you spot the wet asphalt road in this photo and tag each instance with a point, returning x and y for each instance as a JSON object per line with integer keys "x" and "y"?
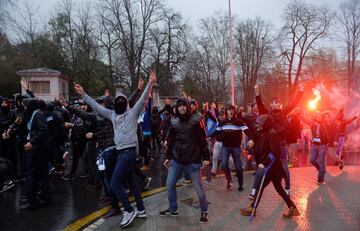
{"x": 71, "y": 200}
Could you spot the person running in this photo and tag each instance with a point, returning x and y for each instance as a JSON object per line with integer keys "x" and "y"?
{"x": 125, "y": 126}
{"x": 187, "y": 148}
{"x": 270, "y": 163}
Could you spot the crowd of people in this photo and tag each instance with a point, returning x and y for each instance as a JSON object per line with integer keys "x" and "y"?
{"x": 116, "y": 138}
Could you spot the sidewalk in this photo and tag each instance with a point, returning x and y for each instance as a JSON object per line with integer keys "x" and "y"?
{"x": 333, "y": 206}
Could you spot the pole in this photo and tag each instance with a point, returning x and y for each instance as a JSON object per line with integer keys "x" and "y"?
{"x": 231, "y": 58}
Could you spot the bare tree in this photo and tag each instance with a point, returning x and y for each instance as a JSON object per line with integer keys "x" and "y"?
{"x": 4, "y": 12}
{"x": 349, "y": 19}
{"x": 304, "y": 25}
{"x": 131, "y": 21}
{"x": 26, "y": 24}
{"x": 253, "y": 50}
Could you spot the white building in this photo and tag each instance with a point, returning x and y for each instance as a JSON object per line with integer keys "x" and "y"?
{"x": 47, "y": 84}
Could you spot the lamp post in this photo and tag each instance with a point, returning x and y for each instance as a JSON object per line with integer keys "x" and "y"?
{"x": 231, "y": 58}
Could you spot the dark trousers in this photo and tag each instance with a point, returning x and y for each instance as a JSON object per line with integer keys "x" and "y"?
{"x": 36, "y": 174}
{"x": 110, "y": 158}
{"x": 77, "y": 150}
{"x": 278, "y": 187}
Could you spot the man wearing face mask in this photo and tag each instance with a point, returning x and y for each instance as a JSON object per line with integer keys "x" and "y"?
{"x": 7, "y": 117}
{"x": 124, "y": 122}
{"x": 279, "y": 114}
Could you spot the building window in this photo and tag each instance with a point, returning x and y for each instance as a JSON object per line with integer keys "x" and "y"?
{"x": 40, "y": 87}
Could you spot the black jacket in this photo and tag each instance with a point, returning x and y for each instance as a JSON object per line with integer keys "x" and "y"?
{"x": 187, "y": 140}
{"x": 39, "y": 135}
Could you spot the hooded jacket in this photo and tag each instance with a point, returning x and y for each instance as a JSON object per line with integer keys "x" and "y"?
{"x": 187, "y": 140}
{"x": 125, "y": 125}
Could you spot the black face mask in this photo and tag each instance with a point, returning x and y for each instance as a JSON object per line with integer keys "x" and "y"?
{"x": 120, "y": 107}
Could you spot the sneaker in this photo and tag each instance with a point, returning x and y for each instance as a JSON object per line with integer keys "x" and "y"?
{"x": 67, "y": 178}
{"x": 140, "y": 214}
{"x": 185, "y": 181}
{"x": 247, "y": 211}
{"x": 127, "y": 218}
{"x": 252, "y": 194}
{"x": 288, "y": 192}
{"x": 7, "y": 185}
{"x": 111, "y": 213}
{"x": 229, "y": 186}
{"x": 251, "y": 197}
{"x": 51, "y": 171}
{"x": 320, "y": 182}
{"x": 204, "y": 217}
{"x": 292, "y": 212}
{"x": 168, "y": 212}
{"x": 207, "y": 184}
{"x": 147, "y": 183}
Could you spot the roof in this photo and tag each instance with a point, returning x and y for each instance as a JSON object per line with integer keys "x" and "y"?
{"x": 40, "y": 70}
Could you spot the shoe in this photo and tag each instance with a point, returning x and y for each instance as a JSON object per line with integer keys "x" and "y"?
{"x": 111, "y": 213}
{"x": 229, "y": 186}
{"x": 147, "y": 183}
{"x": 7, "y": 185}
{"x": 240, "y": 189}
{"x": 341, "y": 165}
{"x": 127, "y": 219}
{"x": 247, "y": 211}
{"x": 84, "y": 176}
{"x": 288, "y": 192}
{"x": 292, "y": 212}
{"x": 251, "y": 197}
{"x": 320, "y": 182}
{"x": 127, "y": 191}
{"x": 67, "y": 178}
{"x": 51, "y": 171}
{"x": 204, "y": 217}
{"x": 207, "y": 184}
{"x": 140, "y": 214}
{"x": 168, "y": 212}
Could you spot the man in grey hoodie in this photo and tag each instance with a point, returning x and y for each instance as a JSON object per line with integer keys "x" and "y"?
{"x": 124, "y": 122}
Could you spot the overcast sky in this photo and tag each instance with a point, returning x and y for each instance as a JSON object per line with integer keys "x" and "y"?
{"x": 193, "y": 10}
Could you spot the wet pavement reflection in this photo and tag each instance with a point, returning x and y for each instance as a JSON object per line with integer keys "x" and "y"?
{"x": 72, "y": 201}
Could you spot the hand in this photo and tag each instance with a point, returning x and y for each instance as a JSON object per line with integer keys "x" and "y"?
{"x": 301, "y": 87}
{"x": 357, "y": 115}
{"x": 167, "y": 101}
{"x": 165, "y": 144}
{"x": 25, "y": 85}
{"x": 257, "y": 90}
{"x": 152, "y": 78}
{"x": 89, "y": 135}
{"x": 79, "y": 89}
{"x": 261, "y": 166}
{"x": 167, "y": 163}
{"x": 141, "y": 84}
{"x": 335, "y": 143}
{"x": 28, "y": 146}
{"x": 206, "y": 162}
{"x": 68, "y": 125}
{"x": 5, "y": 136}
{"x": 18, "y": 120}
{"x": 250, "y": 143}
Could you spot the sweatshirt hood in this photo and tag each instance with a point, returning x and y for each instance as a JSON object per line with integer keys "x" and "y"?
{"x": 121, "y": 104}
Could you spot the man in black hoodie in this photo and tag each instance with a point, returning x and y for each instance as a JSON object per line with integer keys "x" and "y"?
{"x": 187, "y": 148}
{"x": 279, "y": 114}
{"x": 270, "y": 163}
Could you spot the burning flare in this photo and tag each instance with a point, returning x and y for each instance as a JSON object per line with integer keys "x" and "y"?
{"x": 313, "y": 103}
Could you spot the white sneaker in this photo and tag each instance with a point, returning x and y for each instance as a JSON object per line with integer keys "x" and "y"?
{"x": 288, "y": 192}
{"x": 140, "y": 214}
{"x": 127, "y": 218}
{"x": 207, "y": 184}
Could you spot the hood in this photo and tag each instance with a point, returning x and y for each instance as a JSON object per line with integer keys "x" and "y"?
{"x": 265, "y": 122}
{"x": 5, "y": 110}
{"x": 31, "y": 105}
{"x": 117, "y": 107}
{"x": 182, "y": 101}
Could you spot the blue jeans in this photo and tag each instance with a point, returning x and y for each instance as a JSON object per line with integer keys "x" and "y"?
{"x": 340, "y": 146}
{"x": 235, "y": 153}
{"x": 283, "y": 157}
{"x": 193, "y": 170}
{"x": 317, "y": 158}
{"x": 110, "y": 158}
{"x": 124, "y": 173}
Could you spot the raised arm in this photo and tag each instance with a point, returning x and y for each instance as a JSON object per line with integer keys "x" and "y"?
{"x": 92, "y": 103}
{"x": 348, "y": 121}
{"x": 140, "y": 103}
{"x": 294, "y": 102}
{"x": 259, "y": 103}
{"x": 136, "y": 94}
